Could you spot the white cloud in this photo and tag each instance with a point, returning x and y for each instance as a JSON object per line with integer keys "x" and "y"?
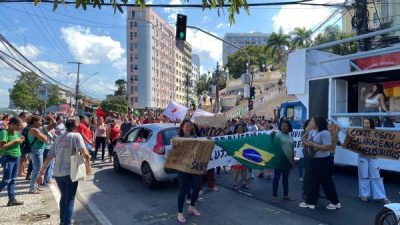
{"x": 292, "y": 16}
{"x": 173, "y": 11}
{"x": 220, "y": 25}
{"x": 90, "y": 48}
{"x": 204, "y": 45}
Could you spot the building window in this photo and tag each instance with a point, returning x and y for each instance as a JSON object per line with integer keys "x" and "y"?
{"x": 136, "y": 67}
{"x": 135, "y": 34}
{"x": 133, "y": 14}
{"x": 135, "y": 24}
{"x": 131, "y": 68}
{"x": 135, "y": 45}
{"x": 130, "y": 57}
{"x": 131, "y": 35}
{"x": 135, "y": 78}
{"x": 131, "y": 24}
{"x": 136, "y": 56}
{"x": 131, "y": 45}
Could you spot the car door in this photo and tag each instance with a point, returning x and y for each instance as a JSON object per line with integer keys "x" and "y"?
{"x": 141, "y": 148}
{"x": 126, "y": 158}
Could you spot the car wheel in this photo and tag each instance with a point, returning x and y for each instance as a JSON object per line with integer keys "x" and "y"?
{"x": 147, "y": 176}
{"x": 116, "y": 165}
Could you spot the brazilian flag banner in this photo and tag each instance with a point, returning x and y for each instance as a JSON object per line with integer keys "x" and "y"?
{"x": 257, "y": 152}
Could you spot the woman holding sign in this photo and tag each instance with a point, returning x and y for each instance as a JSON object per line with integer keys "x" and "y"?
{"x": 187, "y": 181}
{"x": 319, "y": 145}
{"x": 369, "y": 179}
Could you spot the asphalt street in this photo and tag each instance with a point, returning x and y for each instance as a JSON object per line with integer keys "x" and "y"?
{"x": 122, "y": 199}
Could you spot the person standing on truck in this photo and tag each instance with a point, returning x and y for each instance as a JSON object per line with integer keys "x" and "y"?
{"x": 375, "y": 100}
{"x": 370, "y": 182}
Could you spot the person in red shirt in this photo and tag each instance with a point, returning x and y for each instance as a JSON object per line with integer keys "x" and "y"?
{"x": 149, "y": 118}
{"x": 83, "y": 129}
{"x": 113, "y": 134}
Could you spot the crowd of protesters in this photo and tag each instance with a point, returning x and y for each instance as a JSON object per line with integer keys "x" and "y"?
{"x": 38, "y": 148}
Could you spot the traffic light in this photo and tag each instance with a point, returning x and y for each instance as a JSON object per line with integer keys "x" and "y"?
{"x": 252, "y": 93}
{"x": 251, "y": 105}
{"x": 181, "y": 27}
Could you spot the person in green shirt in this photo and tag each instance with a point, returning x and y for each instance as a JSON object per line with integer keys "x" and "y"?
{"x": 10, "y": 140}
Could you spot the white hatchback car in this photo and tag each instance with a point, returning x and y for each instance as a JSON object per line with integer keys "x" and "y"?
{"x": 144, "y": 150}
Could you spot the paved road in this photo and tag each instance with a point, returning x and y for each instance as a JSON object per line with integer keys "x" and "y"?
{"x": 123, "y": 200}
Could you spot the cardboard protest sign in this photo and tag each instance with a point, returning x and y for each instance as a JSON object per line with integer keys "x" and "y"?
{"x": 334, "y": 130}
{"x": 190, "y": 155}
{"x": 212, "y": 126}
{"x": 373, "y": 143}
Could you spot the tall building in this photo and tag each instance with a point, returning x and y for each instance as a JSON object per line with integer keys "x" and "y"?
{"x": 196, "y": 60}
{"x": 242, "y": 40}
{"x": 384, "y": 14}
{"x": 183, "y": 72}
{"x": 150, "y": 59}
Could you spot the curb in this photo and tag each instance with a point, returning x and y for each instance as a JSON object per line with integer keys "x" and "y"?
{"x": 92, "y": 209}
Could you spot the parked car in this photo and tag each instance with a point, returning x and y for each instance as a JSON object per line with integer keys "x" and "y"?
{"x": 144, "y": 150}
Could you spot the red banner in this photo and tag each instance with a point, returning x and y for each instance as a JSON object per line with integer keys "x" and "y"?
{"x": 380, "y": 61}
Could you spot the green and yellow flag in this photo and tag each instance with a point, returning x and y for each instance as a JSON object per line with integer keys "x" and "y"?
{"x": 257, "y": 152}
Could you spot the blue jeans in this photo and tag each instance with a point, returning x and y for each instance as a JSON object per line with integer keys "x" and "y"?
{"x": 49, "y": 171}
{"x": 285, "y": 182}
{"x": 37, "y": 163}
{"x": 10, "y": 173}
{"x": 301, "y": 167}
{"x": 68, "y": 192}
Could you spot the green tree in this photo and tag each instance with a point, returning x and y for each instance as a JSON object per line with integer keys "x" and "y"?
{"x": 333, "y": 33}
{"x": 234, "y": 8}
{"x": 278, "y": 43}
{"x": 24, "y": 93}
{"x": 237, "y": 61}
{"x": 54, "y": 96}
{"x": 300, "y": 38}
{"x": 115, "y": 104}
{"x": 121, "y": 87}
{"x": 203, "y": 84}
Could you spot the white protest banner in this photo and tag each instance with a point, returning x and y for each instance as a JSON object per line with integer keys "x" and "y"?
{"x": 298, "y": 150}
{"x": 199, "y": 113}
{"x": 175, "y": 112}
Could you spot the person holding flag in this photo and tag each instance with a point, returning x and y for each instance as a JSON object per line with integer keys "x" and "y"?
{"x": 287, "y": 145}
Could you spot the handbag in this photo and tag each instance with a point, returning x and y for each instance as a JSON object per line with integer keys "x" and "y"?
{"x": 78, "y": 166}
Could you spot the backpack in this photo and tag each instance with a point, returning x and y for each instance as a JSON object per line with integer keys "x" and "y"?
{"x": 26, "y": 146}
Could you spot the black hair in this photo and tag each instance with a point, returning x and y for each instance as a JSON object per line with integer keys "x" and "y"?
{"x": 288, "y": 123}
{"x": 71, "y": 125}
{"x": 321, "y": 123}
{"x": 22, "y": 114}
{"x": 82, "y": 117}
{"x": 197, "y": 130}
{"x": 237, "y": 127}
{"x": 59, "y": 118}
{"x": 371, "y": 123}
{"x": 180, "y": 133}
{"x": 33, "y": 119}
{"x": 305, "y": 124}
{"x": 379, "y": 90}
{"x": 15, "y": 120}
{"x": 6, "y": 116}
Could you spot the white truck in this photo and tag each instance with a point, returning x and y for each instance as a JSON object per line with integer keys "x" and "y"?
{"x": 330, "y": 85}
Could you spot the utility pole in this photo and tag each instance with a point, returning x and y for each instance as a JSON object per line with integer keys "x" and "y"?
{"x": 77, "y": 85}
{"x": 360, "y": 23}
{"x": 217, "y": 88}
{"x": 187, "y": 83}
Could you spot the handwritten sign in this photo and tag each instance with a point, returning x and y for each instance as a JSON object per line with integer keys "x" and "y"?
{"x": 373, "y": 143}
{"x": 190, "y": 155}
{"x": 212, "y": 126}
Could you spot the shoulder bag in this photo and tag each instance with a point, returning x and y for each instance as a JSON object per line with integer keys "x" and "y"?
{"x": 78, "y": 166}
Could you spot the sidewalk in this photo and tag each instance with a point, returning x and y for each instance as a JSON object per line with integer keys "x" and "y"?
{"x": 38, "y": 209}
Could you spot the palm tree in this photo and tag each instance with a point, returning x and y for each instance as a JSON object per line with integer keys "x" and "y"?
{"x": 278, "y": 43}
{"x": 300, "y": 38}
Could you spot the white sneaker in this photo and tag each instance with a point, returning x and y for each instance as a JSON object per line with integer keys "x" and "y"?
{"x": 333, "y": 207}
{"x": 305, "y": 205}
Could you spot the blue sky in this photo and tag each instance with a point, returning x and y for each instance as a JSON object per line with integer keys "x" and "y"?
{"x": 98, "y": 38}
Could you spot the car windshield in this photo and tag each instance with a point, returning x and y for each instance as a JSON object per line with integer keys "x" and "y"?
{"x": 169, "y": 134}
